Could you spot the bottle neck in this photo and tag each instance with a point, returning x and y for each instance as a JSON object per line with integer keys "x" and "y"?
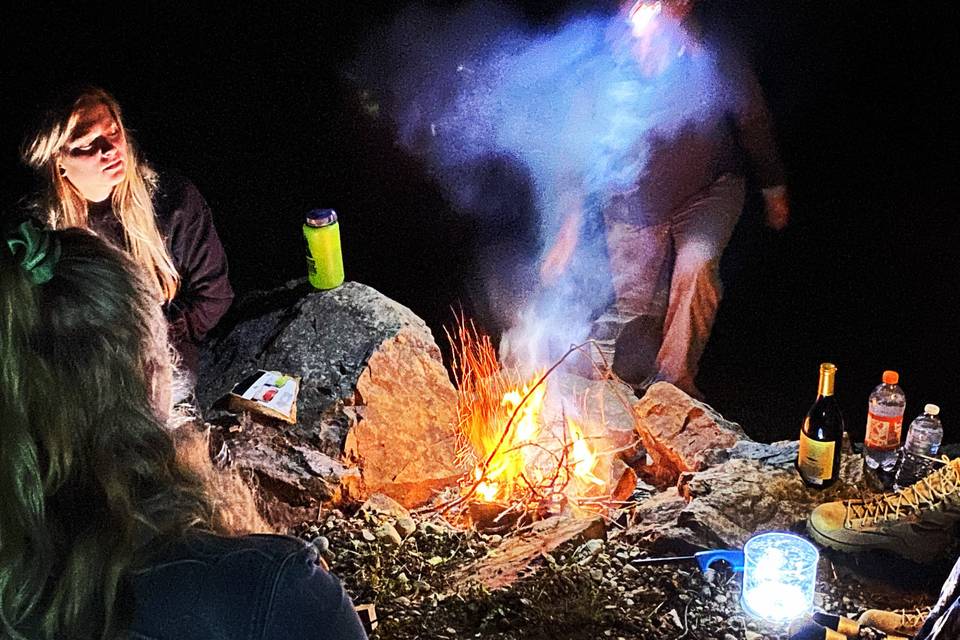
{"x": 827, "y": 376}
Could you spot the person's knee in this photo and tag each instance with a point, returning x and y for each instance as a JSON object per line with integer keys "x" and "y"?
{"x": 697, "y": 259}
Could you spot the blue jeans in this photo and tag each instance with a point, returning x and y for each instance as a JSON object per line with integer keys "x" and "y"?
{"x": 944, "y": 620}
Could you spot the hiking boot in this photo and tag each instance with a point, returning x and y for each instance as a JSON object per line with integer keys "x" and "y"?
{"x": 915, "y": 522}
{"x": 902, "y": 622}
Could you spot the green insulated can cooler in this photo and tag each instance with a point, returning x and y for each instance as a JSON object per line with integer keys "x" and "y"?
{"x": 324, "y": 258}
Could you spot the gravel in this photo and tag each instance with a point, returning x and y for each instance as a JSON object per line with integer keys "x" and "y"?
{"x": 587, "y": 590}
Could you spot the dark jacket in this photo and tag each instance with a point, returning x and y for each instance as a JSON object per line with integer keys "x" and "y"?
{"x": 186, "y": 224}
{"x": 256, "y": 587}
{"x": 711, "y": 120}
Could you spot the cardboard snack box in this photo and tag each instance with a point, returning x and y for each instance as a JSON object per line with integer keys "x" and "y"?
{"x": 267, "y": 393}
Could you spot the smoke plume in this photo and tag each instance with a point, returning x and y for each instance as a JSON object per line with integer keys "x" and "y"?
{"x": 554, "y": 119}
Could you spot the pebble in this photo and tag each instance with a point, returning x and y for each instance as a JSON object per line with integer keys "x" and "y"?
{"x": 388, "y": 534}
{"x": 322, "y": 544}
{"x": 720, "y": 599}
{"x": 752, "y": 635}
{"x": 596, "y": 575}
{"x": 591, "y": 548}
{"x": 630, "y": 570}
{"x": 406, "y": 526}
{"x": 431, "y": 528}
{"x": 403, "y": 601}
{"x": 368, "y": 535}
{"x": 729, "y": 636}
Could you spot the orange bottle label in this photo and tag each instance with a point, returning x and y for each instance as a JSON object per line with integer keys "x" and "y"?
{"x": 816, "y": 459}
{"x": 883, "y": 432}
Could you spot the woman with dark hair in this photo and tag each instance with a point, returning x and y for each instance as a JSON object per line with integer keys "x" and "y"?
{"x": 95, "y": 178}
{"x": 103, "y": 533}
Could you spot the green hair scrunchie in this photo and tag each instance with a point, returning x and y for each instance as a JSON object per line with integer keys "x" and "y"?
{"x": 41, "y": 251}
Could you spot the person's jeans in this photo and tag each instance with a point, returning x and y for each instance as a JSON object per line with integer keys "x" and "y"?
{"x": 944, "y": 620}
{"x": 670, "y": 269}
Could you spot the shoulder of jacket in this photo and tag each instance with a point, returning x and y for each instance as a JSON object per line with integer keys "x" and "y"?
{"x": 175, "y": 196}
{"x": 271, "y": 549}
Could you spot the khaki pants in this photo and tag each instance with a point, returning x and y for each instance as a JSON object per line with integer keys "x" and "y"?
{"x": 670, "y": 270}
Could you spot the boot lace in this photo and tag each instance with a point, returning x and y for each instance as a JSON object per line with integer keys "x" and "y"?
{"x": 913, "y": 619}
{"x": 926, "y": 494}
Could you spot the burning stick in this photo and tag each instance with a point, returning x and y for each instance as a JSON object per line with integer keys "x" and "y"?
{"x": 502, "y": 431}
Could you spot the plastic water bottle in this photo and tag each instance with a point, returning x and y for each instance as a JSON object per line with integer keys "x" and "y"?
{"x": 884, "y": 423}
{"x": 923, "y": 442}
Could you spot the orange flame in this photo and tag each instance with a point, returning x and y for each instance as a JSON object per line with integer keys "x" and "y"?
{"x": 582, "y": 459}
{"x": 513, "y": 450}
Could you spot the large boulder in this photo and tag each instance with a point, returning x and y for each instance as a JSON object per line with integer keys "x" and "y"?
{"x": 755, "y": 489}
{"x": 376, "y": 409}
{"x": 679, "y": 433}
{"x": 718, "y": 486}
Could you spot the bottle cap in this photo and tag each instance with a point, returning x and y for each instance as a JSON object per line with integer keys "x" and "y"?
{"x": 932, "y": 409}
{"x": 891, "y": 377}
{"x": 321, "y": 217}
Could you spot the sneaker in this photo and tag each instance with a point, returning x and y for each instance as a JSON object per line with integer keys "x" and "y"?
{"x": 915, "y": 522}
{"x": 902, "y": 622}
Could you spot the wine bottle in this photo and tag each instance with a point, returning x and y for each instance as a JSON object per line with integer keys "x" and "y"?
{"x": 821, "y": 435}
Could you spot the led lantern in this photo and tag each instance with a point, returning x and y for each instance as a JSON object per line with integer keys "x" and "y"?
{"x": 779, "y": 576}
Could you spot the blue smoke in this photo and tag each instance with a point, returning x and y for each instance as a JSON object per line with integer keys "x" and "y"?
{"x": 569, "y": 108}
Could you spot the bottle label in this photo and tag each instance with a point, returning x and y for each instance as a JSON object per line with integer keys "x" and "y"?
{"x": 816, "y": 459}
{"x": 883, "y": 432}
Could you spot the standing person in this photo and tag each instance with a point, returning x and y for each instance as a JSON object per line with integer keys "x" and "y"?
{"x": 96, "y": 179}
{"x": 666, "y": 234}
{"x": 103, "y": 532}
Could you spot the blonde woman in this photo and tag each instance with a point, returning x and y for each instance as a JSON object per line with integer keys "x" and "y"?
{"x": 96, "y": 179}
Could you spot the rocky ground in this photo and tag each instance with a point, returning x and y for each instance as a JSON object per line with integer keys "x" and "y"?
{"x": 411, "y": 570}
{"x": 377, "y": 414}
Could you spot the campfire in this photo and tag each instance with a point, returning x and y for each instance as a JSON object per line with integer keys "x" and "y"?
{"x": 531, "y": 449}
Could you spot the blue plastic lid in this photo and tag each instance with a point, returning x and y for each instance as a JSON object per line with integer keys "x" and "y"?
{"x": 321, "y": 217}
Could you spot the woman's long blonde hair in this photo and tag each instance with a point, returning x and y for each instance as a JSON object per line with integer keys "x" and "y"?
{"x": 132, "y": 200}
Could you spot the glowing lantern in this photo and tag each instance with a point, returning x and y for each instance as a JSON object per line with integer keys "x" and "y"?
{"x": 779, "y": 576}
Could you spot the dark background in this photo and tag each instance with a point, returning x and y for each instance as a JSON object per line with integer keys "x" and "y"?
{"x": 250, "y": 102}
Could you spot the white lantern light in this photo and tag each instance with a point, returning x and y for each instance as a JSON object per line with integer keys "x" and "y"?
{"x": 779, "y": 576}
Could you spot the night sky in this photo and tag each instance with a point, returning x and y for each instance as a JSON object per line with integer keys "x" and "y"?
{"x": 253, "y": 104}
